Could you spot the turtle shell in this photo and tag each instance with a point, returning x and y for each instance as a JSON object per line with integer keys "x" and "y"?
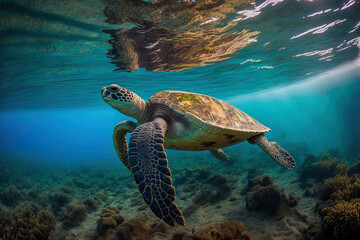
{"x": 214, "y": 123}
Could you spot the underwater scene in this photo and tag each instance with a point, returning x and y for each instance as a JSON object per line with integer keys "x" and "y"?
{"x": 180, "y": 119}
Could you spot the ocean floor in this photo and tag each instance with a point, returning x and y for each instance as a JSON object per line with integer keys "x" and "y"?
{"x": 248, "y": 197}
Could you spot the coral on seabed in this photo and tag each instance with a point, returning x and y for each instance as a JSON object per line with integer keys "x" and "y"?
{"x": 191, "y": 175}
{"x": 74, "y": 214}
{"x": 35, "y": 195}
{"x": 325, "y": 168}
{"x": 91, "y": 204}
{"x": 342, "y": 220}
{"x": 59, "y": 200}
{"x": 339, "y": 207}
{"x": 205, "y": 187}
{"x": 108, "y": 222}
{"x": 133, "y": 229}
{"x": 215, "y": 189}
{"x": 66, "y": 189}
{"x": 354, "y": 169}
{"x": 264, "y": 195}
{"x": 313, "y": 173}
{"x": 225, "y": 230}
{"x": 342, "y": 188}
{"x": 27, "y": 222}
{"x": 112, "y": 225}
{"x": 10, "y": 196}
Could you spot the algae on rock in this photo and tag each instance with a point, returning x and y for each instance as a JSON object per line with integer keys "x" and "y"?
{"x": 27, "y": 222}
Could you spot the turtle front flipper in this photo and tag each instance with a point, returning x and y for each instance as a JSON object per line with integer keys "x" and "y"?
{"x": 119, "y": 140}
{"x": 150, "y": 170}
{"x": 274, "y": 151}
{"x": 219, "y": 154}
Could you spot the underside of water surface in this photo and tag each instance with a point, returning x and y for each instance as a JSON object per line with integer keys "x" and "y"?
{"x": 289, "y": 66}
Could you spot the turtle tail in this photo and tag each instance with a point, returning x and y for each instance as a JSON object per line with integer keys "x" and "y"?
{"x": 274, "y": 151}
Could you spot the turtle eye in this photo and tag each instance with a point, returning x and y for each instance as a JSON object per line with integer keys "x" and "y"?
{"x": 107, "y": 93}
{"x": 113, "y": 89}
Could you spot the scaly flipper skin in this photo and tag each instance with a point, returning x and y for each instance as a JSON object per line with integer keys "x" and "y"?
{"x": 119, "y": 140}
{"x": 274, "y": 151}
{"x": 150, "y": 170}
{"x": 219, "y": 154}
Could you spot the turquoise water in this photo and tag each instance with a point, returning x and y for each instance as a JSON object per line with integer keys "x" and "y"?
{"x": 292, "y": 65}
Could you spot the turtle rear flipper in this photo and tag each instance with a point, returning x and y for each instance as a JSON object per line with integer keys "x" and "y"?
{"x": 150, "y": 170}
{"x": 274, "y": 151}
{"x": 219, "y": 154}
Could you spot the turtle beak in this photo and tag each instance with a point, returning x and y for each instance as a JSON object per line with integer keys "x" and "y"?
{"x": 104, "y": 92}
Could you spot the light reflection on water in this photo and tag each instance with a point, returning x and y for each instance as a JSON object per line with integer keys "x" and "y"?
{"x": 55, "y": 56}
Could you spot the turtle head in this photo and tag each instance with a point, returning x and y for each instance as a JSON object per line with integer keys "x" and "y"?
{"x": 124, "y": 100}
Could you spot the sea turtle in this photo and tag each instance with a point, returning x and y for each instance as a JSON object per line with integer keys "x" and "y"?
{"x": 182, "y": 121}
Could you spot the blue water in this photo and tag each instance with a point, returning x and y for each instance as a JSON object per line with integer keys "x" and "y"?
{"x": 320, "y": 112}
{"x": 297, "y": 72}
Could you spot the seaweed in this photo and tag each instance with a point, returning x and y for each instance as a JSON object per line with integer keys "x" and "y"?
{"x": 27, "y": 222}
